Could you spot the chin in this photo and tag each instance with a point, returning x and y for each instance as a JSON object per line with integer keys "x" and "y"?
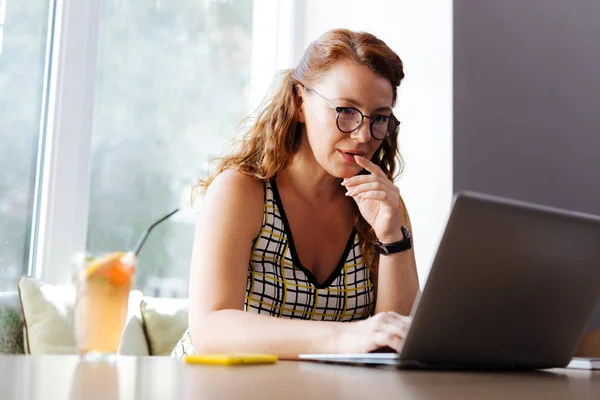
{"x": 348, "y": 171}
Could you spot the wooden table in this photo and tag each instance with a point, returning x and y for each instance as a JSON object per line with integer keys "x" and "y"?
{"x": 63, "y": 377}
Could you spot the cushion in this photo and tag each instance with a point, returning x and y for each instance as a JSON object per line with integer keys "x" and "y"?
{"x": 11, "y": 324}
{"x": 48, "y": 319}
{"x": 165, "y": 321}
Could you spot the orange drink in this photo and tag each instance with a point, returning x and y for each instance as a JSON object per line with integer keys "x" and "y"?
{"x": 103, "y": 286}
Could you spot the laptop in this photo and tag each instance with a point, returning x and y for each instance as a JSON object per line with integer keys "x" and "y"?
{"x": 512, "y": 286}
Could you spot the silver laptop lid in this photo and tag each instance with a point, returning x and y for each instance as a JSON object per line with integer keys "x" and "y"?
{"x": 512, "y": 285}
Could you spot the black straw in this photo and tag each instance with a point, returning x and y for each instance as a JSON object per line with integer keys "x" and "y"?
{"x": 140, "y": 242}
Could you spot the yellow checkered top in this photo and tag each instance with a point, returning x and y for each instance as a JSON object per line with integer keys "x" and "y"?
{"x": 278, "y": 285}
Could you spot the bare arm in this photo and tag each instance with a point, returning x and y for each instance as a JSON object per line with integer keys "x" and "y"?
{"x": 398, "y": 282}
{"x": 237, "y": 331}
{"x": 380, "y": 203}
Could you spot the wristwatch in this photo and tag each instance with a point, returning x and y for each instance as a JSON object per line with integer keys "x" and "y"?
{"x": 397, "y": 247}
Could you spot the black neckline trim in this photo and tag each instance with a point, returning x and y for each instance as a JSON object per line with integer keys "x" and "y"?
{"x": 296, "y": 258}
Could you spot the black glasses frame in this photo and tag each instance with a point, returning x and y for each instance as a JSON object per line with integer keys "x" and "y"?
{"x": 394, "y": 122}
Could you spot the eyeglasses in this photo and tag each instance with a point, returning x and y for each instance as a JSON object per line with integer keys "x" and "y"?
{"x": 350, "y": 119}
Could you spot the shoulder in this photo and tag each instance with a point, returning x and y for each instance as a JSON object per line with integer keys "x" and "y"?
{"x": 238, "y": 184}
{"x": 235, "y": 195}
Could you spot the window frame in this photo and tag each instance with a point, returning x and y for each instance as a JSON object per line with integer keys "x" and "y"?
{"x": 61, "y": 193}
{"x": 2, "y": 17}
{"x": 62, "y": 186}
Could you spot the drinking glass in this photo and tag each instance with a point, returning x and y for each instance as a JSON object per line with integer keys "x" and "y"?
{"x": 103, "y": 283}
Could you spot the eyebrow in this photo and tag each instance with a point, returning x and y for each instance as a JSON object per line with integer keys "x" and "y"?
{"x": 359, "y": 104}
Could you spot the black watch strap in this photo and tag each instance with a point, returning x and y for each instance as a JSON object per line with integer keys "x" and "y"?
{"x": 397, "y": 247}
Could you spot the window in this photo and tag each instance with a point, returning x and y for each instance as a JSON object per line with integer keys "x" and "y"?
{"x": 173, "y": 82}
{"x": 23, "y": 36}
{"x": 109, "y": 114}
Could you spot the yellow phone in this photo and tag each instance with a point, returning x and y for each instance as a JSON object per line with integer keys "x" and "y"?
{"x": 230, "y": 359}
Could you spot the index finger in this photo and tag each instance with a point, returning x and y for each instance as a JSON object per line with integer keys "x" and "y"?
{"x": 369, "y": 165}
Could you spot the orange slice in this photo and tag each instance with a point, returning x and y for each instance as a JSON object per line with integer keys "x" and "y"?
{"x": 116, "y": 267}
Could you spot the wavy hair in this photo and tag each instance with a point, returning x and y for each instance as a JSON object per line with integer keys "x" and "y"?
{"x": 270, "y": 142}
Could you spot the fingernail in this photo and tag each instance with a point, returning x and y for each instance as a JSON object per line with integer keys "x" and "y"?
{"x": 349, "y": 193}
{"x": 343, "y": 182}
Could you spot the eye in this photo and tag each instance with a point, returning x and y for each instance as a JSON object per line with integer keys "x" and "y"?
{"x": 347, "y": 113}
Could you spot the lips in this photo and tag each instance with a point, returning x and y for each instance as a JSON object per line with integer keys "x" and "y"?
{"x": 354, "y": 152}
{"x": 348, "y": 155}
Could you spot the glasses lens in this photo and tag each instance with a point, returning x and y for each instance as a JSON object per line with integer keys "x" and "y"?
{"x": 382, "y": 126}
{"x": 349, "y": 119}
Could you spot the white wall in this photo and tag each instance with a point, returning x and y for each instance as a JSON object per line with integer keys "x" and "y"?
{"x": 421, "y": 33}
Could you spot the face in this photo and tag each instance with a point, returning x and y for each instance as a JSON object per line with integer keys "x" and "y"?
{"x": 346, "y": 84}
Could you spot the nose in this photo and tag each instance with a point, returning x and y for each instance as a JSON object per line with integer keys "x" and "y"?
{"x": 363, "y": 133}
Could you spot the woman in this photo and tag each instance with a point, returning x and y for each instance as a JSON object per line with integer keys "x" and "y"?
{"x": 292, "y": 223}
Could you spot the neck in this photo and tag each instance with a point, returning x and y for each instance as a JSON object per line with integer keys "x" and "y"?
{"x": 310, "y": 180}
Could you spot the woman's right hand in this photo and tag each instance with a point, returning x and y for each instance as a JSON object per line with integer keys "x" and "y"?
{"x": 385, "y": 329}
